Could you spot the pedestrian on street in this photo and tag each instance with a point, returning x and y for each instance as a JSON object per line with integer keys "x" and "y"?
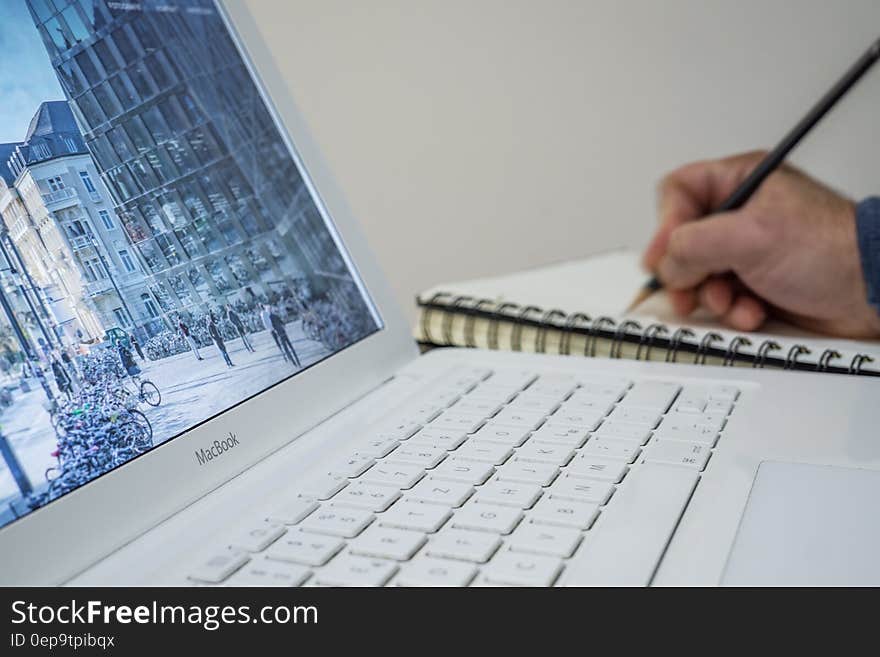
{"x": 283, "y": 339}
{"x": 71, "y": 369}
{"x": 62, "y": 378}
{"x": 136, "y": 345}
{"x": 214, "y": 332}
{"x": 266, "y": 319}
{"x": 236, "y": 321}
{"x": 185, "y": 332}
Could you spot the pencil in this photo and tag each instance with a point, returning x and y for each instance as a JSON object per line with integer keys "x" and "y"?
{"x": 775, "y": 157}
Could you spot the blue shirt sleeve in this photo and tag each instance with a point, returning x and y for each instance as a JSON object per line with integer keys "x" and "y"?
{"x": 868, "y": 230}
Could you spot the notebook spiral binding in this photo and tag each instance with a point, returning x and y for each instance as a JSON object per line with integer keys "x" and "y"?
{"x": 569, "y": 325}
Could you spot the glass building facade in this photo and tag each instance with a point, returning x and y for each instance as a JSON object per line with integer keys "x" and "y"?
{"x": 203, "y": 184}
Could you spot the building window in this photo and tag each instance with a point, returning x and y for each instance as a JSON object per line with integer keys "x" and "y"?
{"x": 70, "y": 144}
{"x": 87, "y": 181}
{"x": 106, "y": 219}
{"x": 149, "y": 306}
{"x": 121, "y": 317}
{"x": 55, "y": 183}
{"x": 127, "y": 262}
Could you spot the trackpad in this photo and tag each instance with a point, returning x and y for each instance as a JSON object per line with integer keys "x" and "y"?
{"x": 808, "y": 525}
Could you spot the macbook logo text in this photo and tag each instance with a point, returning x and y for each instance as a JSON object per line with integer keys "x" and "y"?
{"x": 219, "y": 447}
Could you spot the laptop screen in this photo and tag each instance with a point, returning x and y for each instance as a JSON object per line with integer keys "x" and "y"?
{"x": 163, "y": 256}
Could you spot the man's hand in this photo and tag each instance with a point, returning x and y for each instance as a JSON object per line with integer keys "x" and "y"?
{"x": 790, "y": 251}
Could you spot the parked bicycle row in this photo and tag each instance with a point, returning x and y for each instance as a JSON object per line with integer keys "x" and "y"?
{"x": 99, "y": 424}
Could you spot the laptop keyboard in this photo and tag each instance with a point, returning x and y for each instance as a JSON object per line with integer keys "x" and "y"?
{"x": 498, "y": 479}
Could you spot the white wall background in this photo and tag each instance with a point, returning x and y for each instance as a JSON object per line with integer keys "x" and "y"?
{"x": 473, "y": 137}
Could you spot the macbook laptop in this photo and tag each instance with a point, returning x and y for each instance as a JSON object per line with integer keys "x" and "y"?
{"x": 211, "y": 384}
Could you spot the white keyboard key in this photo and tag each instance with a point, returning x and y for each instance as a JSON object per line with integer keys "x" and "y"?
{"x": 559, "y": 387}
{"x": 544, "y": 539}
{"x": 562, "y": 434}
{"x": 637, "y": 416}
{"x": 584, "y": 419}
{"x": 705, "y": 436}
{"x": 518, "y": 569}
{"x": 257, "y": 538}
{"x": 500, "y": 394}
{"x": 448, "y": 440}
{"x": 415, "y": 515}
{"x": 397, "y": 431}
{"x": 445, "y": 398}
{"x": 703, "y": 423}
{"x": 217, "y": 567}
{"x": 719, "y": 407}
{"x": 325, "y": 486}
{"x": 508, "y": 493}
{"x": 690, "y": 402}
{"x": 527, "y": 472}
{"x": 265, "y": 572}
{"x": 350, "y": 570}
{"x": 420, "y": 454}
{"x": 563, "y": 512}
{"x": 452, "y": 421}
{"x": 582, "y": 490}
{"x": 468, "y": 472}
{"x": 463, "y": 545}
{"x": 535, "y": 403}
{"x": 484, "y": 451}
{"x": 338, "y": 521}
{"x": 467, "y": 378}
{"x": 363, "y": 495}
{"x": 612, "y": 387}
{"x": 678, "y": 452}
{"x": 724, "y": 393}
{"x": 438, "y": 491}
{"x": 487, "y": 518}
{"x": 389, "y": 473}
{"x": 545, "y": 453}
{"x": 477, "y": 406}
{"x": 689, "y": 427}
{"x": 501, "y": 433}
{"x": 651, "y": 395}
{"x": 378, "y": 447}
{"x": 610, "y": 448}
{"x": 600, "y": 406}
{"x": 293, "y": 511}
{"x": 305, "y": 548}
{"x": 516, "y": 380}
{"x": 387, "y": 543}
{"x": 430, "y": 571}
{"x": 354, "y": 465}
{"x": 635, "y": 530}
{"x": 424, "y": 413}
{"x": 639, "y": 433}
{"x": 714, "y": 420}
{"x": 586, "y": 467}
{"x": 517, "y": 418}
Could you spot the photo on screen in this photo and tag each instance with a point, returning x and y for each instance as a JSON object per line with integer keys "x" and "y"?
{"x": 162, "y": 256}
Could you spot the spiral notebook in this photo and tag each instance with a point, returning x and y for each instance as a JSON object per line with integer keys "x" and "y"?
{"x": 578, "y": 307}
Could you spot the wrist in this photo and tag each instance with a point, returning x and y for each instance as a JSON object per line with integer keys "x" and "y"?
{"x": 868, "y": 237}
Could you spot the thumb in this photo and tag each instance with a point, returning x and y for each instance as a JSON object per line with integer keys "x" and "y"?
{"x": 720, "y": 243}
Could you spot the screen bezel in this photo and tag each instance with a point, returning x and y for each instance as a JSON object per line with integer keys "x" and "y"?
{"x": 53, "y": 543}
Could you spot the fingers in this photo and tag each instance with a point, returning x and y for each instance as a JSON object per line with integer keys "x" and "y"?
{"x": 693, "y": 191}
{"x": 697, "y": 250}
{"x": 725, "y": 299}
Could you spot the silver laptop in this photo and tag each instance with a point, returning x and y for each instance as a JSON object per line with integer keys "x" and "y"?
{"x": 212, "y": 385}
